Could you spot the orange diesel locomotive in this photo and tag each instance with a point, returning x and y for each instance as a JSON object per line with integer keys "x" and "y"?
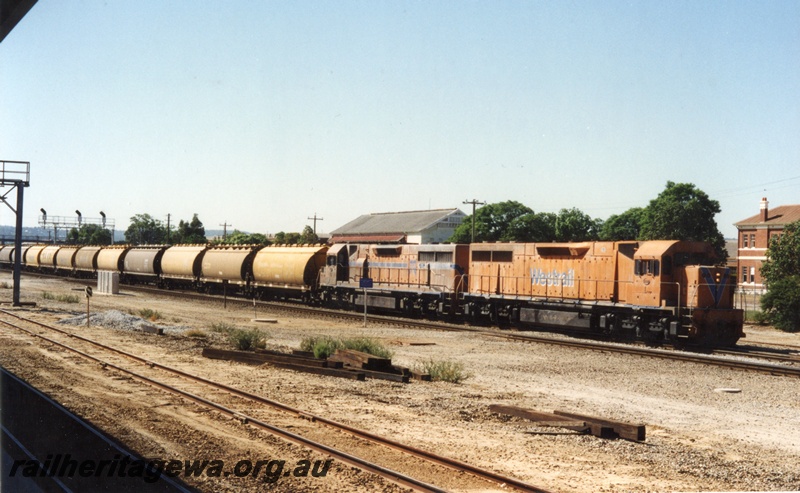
{"x": 652, "y": 290}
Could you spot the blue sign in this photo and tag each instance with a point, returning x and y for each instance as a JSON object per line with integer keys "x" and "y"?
{"x": 366, "y": 282}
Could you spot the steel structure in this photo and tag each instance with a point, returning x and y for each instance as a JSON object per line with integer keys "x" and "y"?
{"x": 15, "y": 174}
{"x": 76, "y": 221}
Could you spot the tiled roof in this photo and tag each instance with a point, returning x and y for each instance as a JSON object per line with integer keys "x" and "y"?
{"x": 393, "y": 222}
{"x": 783, "y": 214}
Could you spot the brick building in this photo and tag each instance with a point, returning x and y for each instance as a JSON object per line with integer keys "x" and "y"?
{"x": 755, "y": 233}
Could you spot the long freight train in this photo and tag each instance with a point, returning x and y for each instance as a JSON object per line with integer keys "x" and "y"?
{"x": 656, "y": 291}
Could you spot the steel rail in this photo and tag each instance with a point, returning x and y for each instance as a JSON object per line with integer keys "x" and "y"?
{"x": 773, "y": 369}
{"x": 417, "y": 452}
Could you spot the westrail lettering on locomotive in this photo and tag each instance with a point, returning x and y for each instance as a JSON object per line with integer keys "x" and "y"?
{"x": 554, "y": 277}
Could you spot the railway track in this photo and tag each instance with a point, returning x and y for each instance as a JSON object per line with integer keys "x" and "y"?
{"x": 775, "y": 361}
{"x": 263, "y": 413}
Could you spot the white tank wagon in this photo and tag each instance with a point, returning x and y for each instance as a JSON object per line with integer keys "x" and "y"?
{"x": 182, "y": 265}
{"x": 228, "y": 265}
{"x": 86, "y": 260}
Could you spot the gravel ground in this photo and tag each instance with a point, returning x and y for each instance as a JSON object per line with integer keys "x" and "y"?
{"x": 698, "y": 437}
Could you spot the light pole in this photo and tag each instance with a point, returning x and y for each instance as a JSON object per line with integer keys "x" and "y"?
{"x": 474, "y": 202}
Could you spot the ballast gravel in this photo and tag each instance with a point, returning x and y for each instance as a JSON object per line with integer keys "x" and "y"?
{"x": 698, "y": 437}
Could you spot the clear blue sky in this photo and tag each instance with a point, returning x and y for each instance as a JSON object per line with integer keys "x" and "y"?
{"x": 262, "y": 113}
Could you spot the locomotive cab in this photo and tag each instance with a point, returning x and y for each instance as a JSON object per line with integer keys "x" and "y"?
{"x": 337, "y": 264}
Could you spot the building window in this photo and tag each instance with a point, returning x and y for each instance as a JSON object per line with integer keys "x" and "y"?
{"x": 744, "y": 241}
{"x": 744, "y": 274}
{"x": 752, "y": 274}
{"x": 753, "y": 240}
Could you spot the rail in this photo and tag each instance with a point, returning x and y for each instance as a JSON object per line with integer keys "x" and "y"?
{"x": 355, "y": 461}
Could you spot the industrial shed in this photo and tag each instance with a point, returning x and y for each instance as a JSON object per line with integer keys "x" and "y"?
{"x": 414, "y": 227}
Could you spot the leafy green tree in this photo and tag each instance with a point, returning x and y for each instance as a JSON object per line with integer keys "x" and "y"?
{"x": 240, "y": 238}
{"x": 308, "y": 237}
{"x": 781, "y": 271}
{"x": 145, "y": 230}
{"x": 492, "y": 222}
{"x": 783, "y": 255}
{"x": 781, "y": 303}
{"x": 575, "y": 225}
{"x": 538, "y": 227}
{"x": 89, "y": 234}
{"x": 683, "y": 212}
{"x": 625, "y": 226}
{"x": 282, "y": 238}
{"x": 190, "y": 232}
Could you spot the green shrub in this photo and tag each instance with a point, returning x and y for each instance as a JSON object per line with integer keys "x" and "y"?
{"x": 222, "y": 327}
{"x": 245, "y": 339}
{"x": 757, "y": 317}
{"x": 369, "y": 346}
{"x": 65, "y": 298}
{"x": 444, "y": 370}
{"x": 781, "y": 303}
{"x": 324, "y": 346}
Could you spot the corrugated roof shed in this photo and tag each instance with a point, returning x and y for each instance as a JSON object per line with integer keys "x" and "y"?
{"x": 393, "y": 222}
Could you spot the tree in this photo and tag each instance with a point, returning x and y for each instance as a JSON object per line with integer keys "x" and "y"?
{"x": 89, "y": 234}
{"x": 492, "y": 222}
{"x": 683, "y": 212}
{"x": 575, "y": 225}
{"x": 308, "y": 237}
{"x": 144, "y": 229}
{"x": 621, "y": 227}
{"x": 781, "y": 271}
{"x": 240, "y": 238}
{"x": 282, "y": 238}
{"x": 532, "y": 227}
{"x": 190, "y": 232}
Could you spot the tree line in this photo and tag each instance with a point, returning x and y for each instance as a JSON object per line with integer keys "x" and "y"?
{"x": 680, "y": 212}
{"x": 147, "y": 230}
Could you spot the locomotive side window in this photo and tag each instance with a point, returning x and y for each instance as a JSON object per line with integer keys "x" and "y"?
{"x": 505, "y": 256}
{"x": 492, "y": 256}
{"x": 435, "y": 256}
{"x": 481, "y": 256}
{"x": 643, "y": 267}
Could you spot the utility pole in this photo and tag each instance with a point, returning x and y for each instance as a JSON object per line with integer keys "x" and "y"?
{"x": 315, "y": 218}
{"x": 225, "y": 229}
{"x": 474, "y": 202}
{"x": 169, "y": 216}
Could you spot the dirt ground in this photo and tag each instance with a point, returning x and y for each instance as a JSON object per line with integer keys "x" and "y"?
{"x": 699, "y": 436}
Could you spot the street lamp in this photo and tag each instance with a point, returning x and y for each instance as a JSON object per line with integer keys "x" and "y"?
{"x": 79, "y": 217}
